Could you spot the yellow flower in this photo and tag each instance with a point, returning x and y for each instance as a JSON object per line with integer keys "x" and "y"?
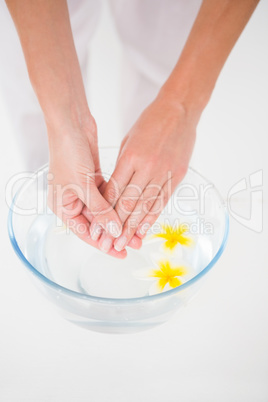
{"x": 174, "y": 236}
{"x": 166, "y": 276}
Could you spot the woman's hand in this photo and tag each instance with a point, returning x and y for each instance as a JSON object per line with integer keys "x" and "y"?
{"x": 76, "y": 185}
{"x": 152, "y": 160}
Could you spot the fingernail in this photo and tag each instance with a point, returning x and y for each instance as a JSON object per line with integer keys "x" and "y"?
{"x": 95, "y": 231}
{"x": 114, "y": 229}
{"x": 144, "y": 228}
{"x": 106, "y": 245}
{"x": 120, "y": 244}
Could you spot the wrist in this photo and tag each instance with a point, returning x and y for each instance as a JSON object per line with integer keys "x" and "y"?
{"x": 70, "y": 126}
{"x": 186, "y": 87}
{"x": 62, "y": 100}
{"x": 181, "y": 101}
{"x": 61, "y": 94}
{"x": 69, "y": 117}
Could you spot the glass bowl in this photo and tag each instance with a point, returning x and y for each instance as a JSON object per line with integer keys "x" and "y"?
{"x": 41, "y": 245}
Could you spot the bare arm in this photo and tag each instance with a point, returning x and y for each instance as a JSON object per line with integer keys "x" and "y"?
{"x": 46, "y": 38}
{"x": 214, "y": 33}
{"x": 45, "y": 33}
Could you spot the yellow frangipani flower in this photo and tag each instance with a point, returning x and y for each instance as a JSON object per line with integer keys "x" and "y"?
{"x": 174, "y": 236}
{"x": 167, "y": 274}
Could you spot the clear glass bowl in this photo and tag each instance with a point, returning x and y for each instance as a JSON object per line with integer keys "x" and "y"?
{"x": 195, "y": 201}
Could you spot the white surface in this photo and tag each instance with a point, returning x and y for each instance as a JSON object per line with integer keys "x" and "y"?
{"x": 216, "y": 349}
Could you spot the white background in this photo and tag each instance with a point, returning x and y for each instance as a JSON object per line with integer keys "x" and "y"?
{"x": 214, "y": 350}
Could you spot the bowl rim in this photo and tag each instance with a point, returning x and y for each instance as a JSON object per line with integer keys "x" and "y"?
{"x": 107, "y": 300}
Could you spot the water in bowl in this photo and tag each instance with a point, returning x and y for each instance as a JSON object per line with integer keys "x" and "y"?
{"x": 65, "y": 259}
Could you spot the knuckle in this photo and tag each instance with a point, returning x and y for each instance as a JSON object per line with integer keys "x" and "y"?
{"x": 147, "y": 204}
{"x": 128, "y": 156}
{"x": 127, "y": 204}
{"x": 152, "y": 162}
{"x": 88, "y": 179}
{"x": 153, "y": 188}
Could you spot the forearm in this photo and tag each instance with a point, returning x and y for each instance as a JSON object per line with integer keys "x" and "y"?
{"x": 214, "y": 33}
{"x": 46, "y": 38}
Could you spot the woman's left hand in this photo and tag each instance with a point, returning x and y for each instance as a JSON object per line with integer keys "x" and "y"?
{"x": 152, "y": 160}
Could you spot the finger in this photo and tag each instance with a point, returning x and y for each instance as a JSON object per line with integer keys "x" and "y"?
{"x": 70, "y": 208}
{"x": 143, "y": 207}
{"x": 111, "y": 192}
{"x": 118, "y": 181}
{"x": 135, "y": 243}
{"x": 79, "y": 225}
{"x": 87, "y": 214}
{"x": 156, "y": 209}
{"x": 97, "y": 231}
{"x": 104, "y": 215}
{"x": 130, "y": 196}
{"x": 125, "y": 206}
{"x": 106, "y": 242}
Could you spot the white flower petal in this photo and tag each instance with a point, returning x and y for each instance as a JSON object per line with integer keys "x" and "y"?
{"x": 156, "y": 257}
{"x": 143, "y": 273}
{"x": 167, "y": 287}
{"x": 154, "y": 288}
